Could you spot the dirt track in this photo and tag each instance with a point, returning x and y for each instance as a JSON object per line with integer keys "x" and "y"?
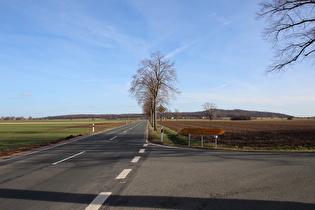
{"x": 257, "y": 133}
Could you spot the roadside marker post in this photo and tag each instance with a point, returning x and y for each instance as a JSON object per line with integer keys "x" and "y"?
{"x": 93, "y": 127}
{"x": 215, "y": 141}
{"x": 202, "y": 140}
{"x": 161, "y": 109}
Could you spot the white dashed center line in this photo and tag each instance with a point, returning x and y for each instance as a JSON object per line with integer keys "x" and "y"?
{"x": 141, "y": 150}
{"x": 103, "y": 196}
{"x": 136, "y": 159}
{"x": 123, "y": 174}
{"x": 98, "y": 201}
{"x": 113, "y": 138}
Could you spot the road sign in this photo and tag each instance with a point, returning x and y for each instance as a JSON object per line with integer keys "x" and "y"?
{"x": 203, "y": 131}
{"x": 161, "y": 109}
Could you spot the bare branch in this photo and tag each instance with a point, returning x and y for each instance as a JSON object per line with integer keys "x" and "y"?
{"x": 291, "y": 22}
{"x": 210, "y": 110}
{"x": 154, "y": 83}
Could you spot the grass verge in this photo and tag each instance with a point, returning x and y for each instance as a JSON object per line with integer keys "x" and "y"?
{"x": 22, "y": 136}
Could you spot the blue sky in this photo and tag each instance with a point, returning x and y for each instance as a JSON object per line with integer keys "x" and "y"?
{"x": 77, "y": 57}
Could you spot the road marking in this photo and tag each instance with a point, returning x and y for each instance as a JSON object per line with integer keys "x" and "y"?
{"x": 136, "y": 159}
{"x": 145, "y": 145}
{"x": 123, "y": 174}
{"x": 113, "y": 138}
{"x": 98, "y": 201}
{"x": 60, "y": 161}
{"x": 141, "y": 150}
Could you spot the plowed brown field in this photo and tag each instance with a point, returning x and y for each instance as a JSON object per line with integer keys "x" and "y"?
{"x": 255, "y": 133}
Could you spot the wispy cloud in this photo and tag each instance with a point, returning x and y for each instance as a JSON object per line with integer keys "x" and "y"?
{"x": 188, "y": 97}
{"x": 77, "y": 25}
{"x": 20, "y": 96}
{"x": 182, "y": 48}
{"x": 234, "y": 101}
{"x": 98, "y": 80}
{"x": 176, "y": 51}
{"x": 219, "y": 18}
{"x": 300, "y": 99}
{"x": 26, "y": 94}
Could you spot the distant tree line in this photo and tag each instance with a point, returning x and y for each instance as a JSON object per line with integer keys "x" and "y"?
{"x": 220, "y": 113}
{"x": 99, "y": 116}
{"x": 16, "y": 118}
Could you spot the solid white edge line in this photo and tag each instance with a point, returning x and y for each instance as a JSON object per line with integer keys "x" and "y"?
{"x": 136, "y": 159}
{"x": 60, "y": 161}
{"x": 123, "y": 174}
{"x": 141, "y": 150}
{"x": 98, "y": 201}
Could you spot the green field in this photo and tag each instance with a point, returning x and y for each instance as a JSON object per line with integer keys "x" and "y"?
{"x": 17, "y": 135}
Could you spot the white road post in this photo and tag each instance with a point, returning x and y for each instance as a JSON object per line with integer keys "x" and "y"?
{"x": 215, "y": 140}
{"x": 93, "y": 127}
{"x": 202, "y": 140}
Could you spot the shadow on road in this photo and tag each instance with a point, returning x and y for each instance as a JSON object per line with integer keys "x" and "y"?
{"x": 46, "y": 196}
{"x": 165, "y": 202}
{"x": 153, "y": 202}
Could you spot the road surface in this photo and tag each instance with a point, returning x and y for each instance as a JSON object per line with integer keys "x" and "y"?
{"x": 174, "y": 178}
{"x": 72, "y": 175}
{"x": 118, "y": 170}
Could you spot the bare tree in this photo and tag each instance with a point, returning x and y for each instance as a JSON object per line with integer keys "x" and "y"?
{"x": 291, "y": 28}
{"x": 210, "y": 109}
{"x": 176, "y": 114}
{"x": 154, "y": 83}
{"x": 147, "y": 109}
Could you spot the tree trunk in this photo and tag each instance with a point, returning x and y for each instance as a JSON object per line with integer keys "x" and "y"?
{"x": 154, "y": 115}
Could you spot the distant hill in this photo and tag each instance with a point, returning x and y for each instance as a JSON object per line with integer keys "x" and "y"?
{"x": 221, "y": 113}
{"x": 98, "y": 116}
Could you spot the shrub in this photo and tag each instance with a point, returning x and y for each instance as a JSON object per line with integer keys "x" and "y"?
{"x": 241, "y": 117}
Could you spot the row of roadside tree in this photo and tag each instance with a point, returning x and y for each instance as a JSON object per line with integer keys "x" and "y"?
{"x": 154, "y": 84}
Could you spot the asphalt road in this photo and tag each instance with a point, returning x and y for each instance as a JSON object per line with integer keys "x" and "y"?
{"x": 173, "y": 178}
{"x": 118, "y": 169}
{"x": 72, "y": 175}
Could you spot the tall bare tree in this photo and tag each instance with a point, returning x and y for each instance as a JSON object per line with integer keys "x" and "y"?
{"x": 154, "y": 83}
{"x": 176, "y": 114}
{"x": 291, "y": 28}
{"x": 210, "y": 109}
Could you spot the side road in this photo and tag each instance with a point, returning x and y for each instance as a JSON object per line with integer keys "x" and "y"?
{"x": 177, "y": 178}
